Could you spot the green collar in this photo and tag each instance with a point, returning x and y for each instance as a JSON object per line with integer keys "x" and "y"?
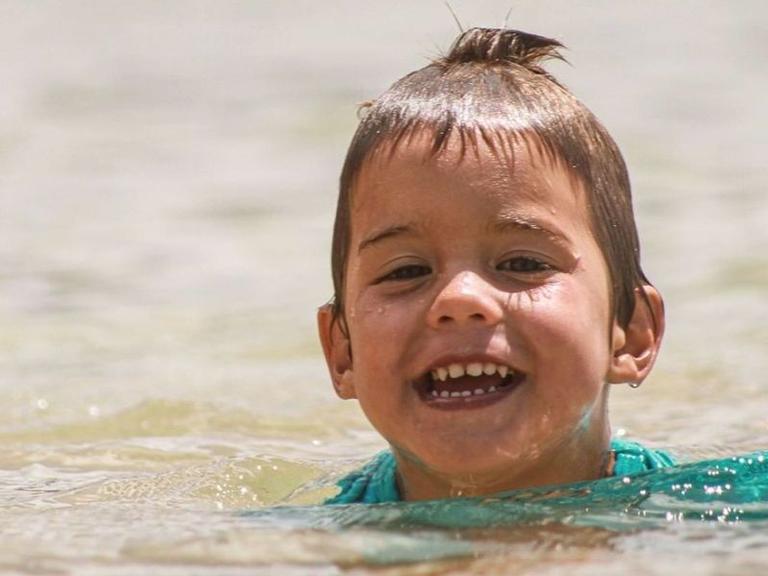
{"x": 376, "y": 483}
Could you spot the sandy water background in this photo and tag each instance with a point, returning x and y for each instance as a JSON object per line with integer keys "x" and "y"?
{"x": 167, "y": 181}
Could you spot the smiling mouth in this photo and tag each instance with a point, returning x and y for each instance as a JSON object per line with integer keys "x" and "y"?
{"x": 472, "y": 384}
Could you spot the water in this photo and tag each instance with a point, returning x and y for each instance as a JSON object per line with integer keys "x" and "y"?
{"x": 167, "y": 183}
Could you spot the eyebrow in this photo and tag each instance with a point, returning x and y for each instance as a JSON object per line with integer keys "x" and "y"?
{"x": 520, "y": 222}
{"x": 383, "y": 234}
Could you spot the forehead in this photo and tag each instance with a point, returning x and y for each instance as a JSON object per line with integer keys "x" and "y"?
{"x": 517, "y": 175}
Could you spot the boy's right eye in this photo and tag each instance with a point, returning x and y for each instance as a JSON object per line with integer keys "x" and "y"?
{"x": 408, "y": 272}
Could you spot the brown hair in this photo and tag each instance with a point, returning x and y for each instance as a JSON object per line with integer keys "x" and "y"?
{"x": 491, "y": 86}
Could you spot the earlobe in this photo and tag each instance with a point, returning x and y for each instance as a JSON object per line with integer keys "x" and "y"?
{"x": 337, "y": 351}
{"x": 636, "y": 347}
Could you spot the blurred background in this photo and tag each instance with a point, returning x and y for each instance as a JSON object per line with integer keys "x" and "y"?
{"x": 168, "y": 175}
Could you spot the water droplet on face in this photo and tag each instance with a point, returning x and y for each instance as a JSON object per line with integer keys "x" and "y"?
{"x": 42, "y": 404}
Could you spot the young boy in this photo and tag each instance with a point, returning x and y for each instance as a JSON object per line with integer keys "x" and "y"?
{"x": 487, "y": 279}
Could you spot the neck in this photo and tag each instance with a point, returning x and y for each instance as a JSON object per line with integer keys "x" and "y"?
{"x": 580, "y": 458}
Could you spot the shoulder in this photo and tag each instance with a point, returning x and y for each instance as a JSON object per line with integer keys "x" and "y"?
{"x": 634, "y": 458}
{"x": 374, "y": 483}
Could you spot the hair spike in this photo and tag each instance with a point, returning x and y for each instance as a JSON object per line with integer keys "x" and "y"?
{"x": 505, "y": 24}
{"x": 503, "y": 45}
{"x": 455, "y": 17}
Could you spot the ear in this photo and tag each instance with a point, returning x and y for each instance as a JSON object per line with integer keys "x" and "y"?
{"x": 636, "y": 347}
{"x": 337, "y": 352}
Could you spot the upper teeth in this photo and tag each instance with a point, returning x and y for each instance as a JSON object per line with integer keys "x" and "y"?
{"x": 472, "y": 369}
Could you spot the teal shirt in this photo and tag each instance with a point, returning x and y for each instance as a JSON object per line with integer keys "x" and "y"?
{"x": 376, "y": 483}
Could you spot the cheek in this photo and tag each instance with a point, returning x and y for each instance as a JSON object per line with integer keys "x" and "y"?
{"x": 376, "y": 354}
{"x": 565, "y": 325}
{"x": 376, "y": 315}
{"x": 379, "y": 332}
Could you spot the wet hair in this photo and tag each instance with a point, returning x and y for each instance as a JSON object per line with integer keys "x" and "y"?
{"x": 491, "y": 87}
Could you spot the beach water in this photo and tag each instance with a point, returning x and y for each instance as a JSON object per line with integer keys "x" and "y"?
{"x": 167, "y": 187}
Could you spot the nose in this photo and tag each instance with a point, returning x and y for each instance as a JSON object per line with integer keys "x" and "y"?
{"x": 465, "y": 299}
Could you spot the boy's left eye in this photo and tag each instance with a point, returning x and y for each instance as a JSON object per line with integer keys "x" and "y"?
{"x": 524, "y": 265}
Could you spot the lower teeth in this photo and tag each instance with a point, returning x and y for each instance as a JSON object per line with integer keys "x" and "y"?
{"x": 463, "y": 393}
{"x": 467, "y": 393}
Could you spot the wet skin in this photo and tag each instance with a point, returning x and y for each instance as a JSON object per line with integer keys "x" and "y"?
{"x": 475, "y": 259}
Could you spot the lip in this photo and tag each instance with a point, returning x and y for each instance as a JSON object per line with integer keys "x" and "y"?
{"x": 422, "y": 385}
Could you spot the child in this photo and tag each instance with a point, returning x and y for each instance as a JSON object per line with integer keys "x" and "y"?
{"x": 487, "y": 280}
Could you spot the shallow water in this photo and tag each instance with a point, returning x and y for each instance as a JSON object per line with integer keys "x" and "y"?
{"x": 167, "y": 182}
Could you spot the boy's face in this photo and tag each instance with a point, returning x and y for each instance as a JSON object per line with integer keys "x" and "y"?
{"x": 467, "y": 265}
